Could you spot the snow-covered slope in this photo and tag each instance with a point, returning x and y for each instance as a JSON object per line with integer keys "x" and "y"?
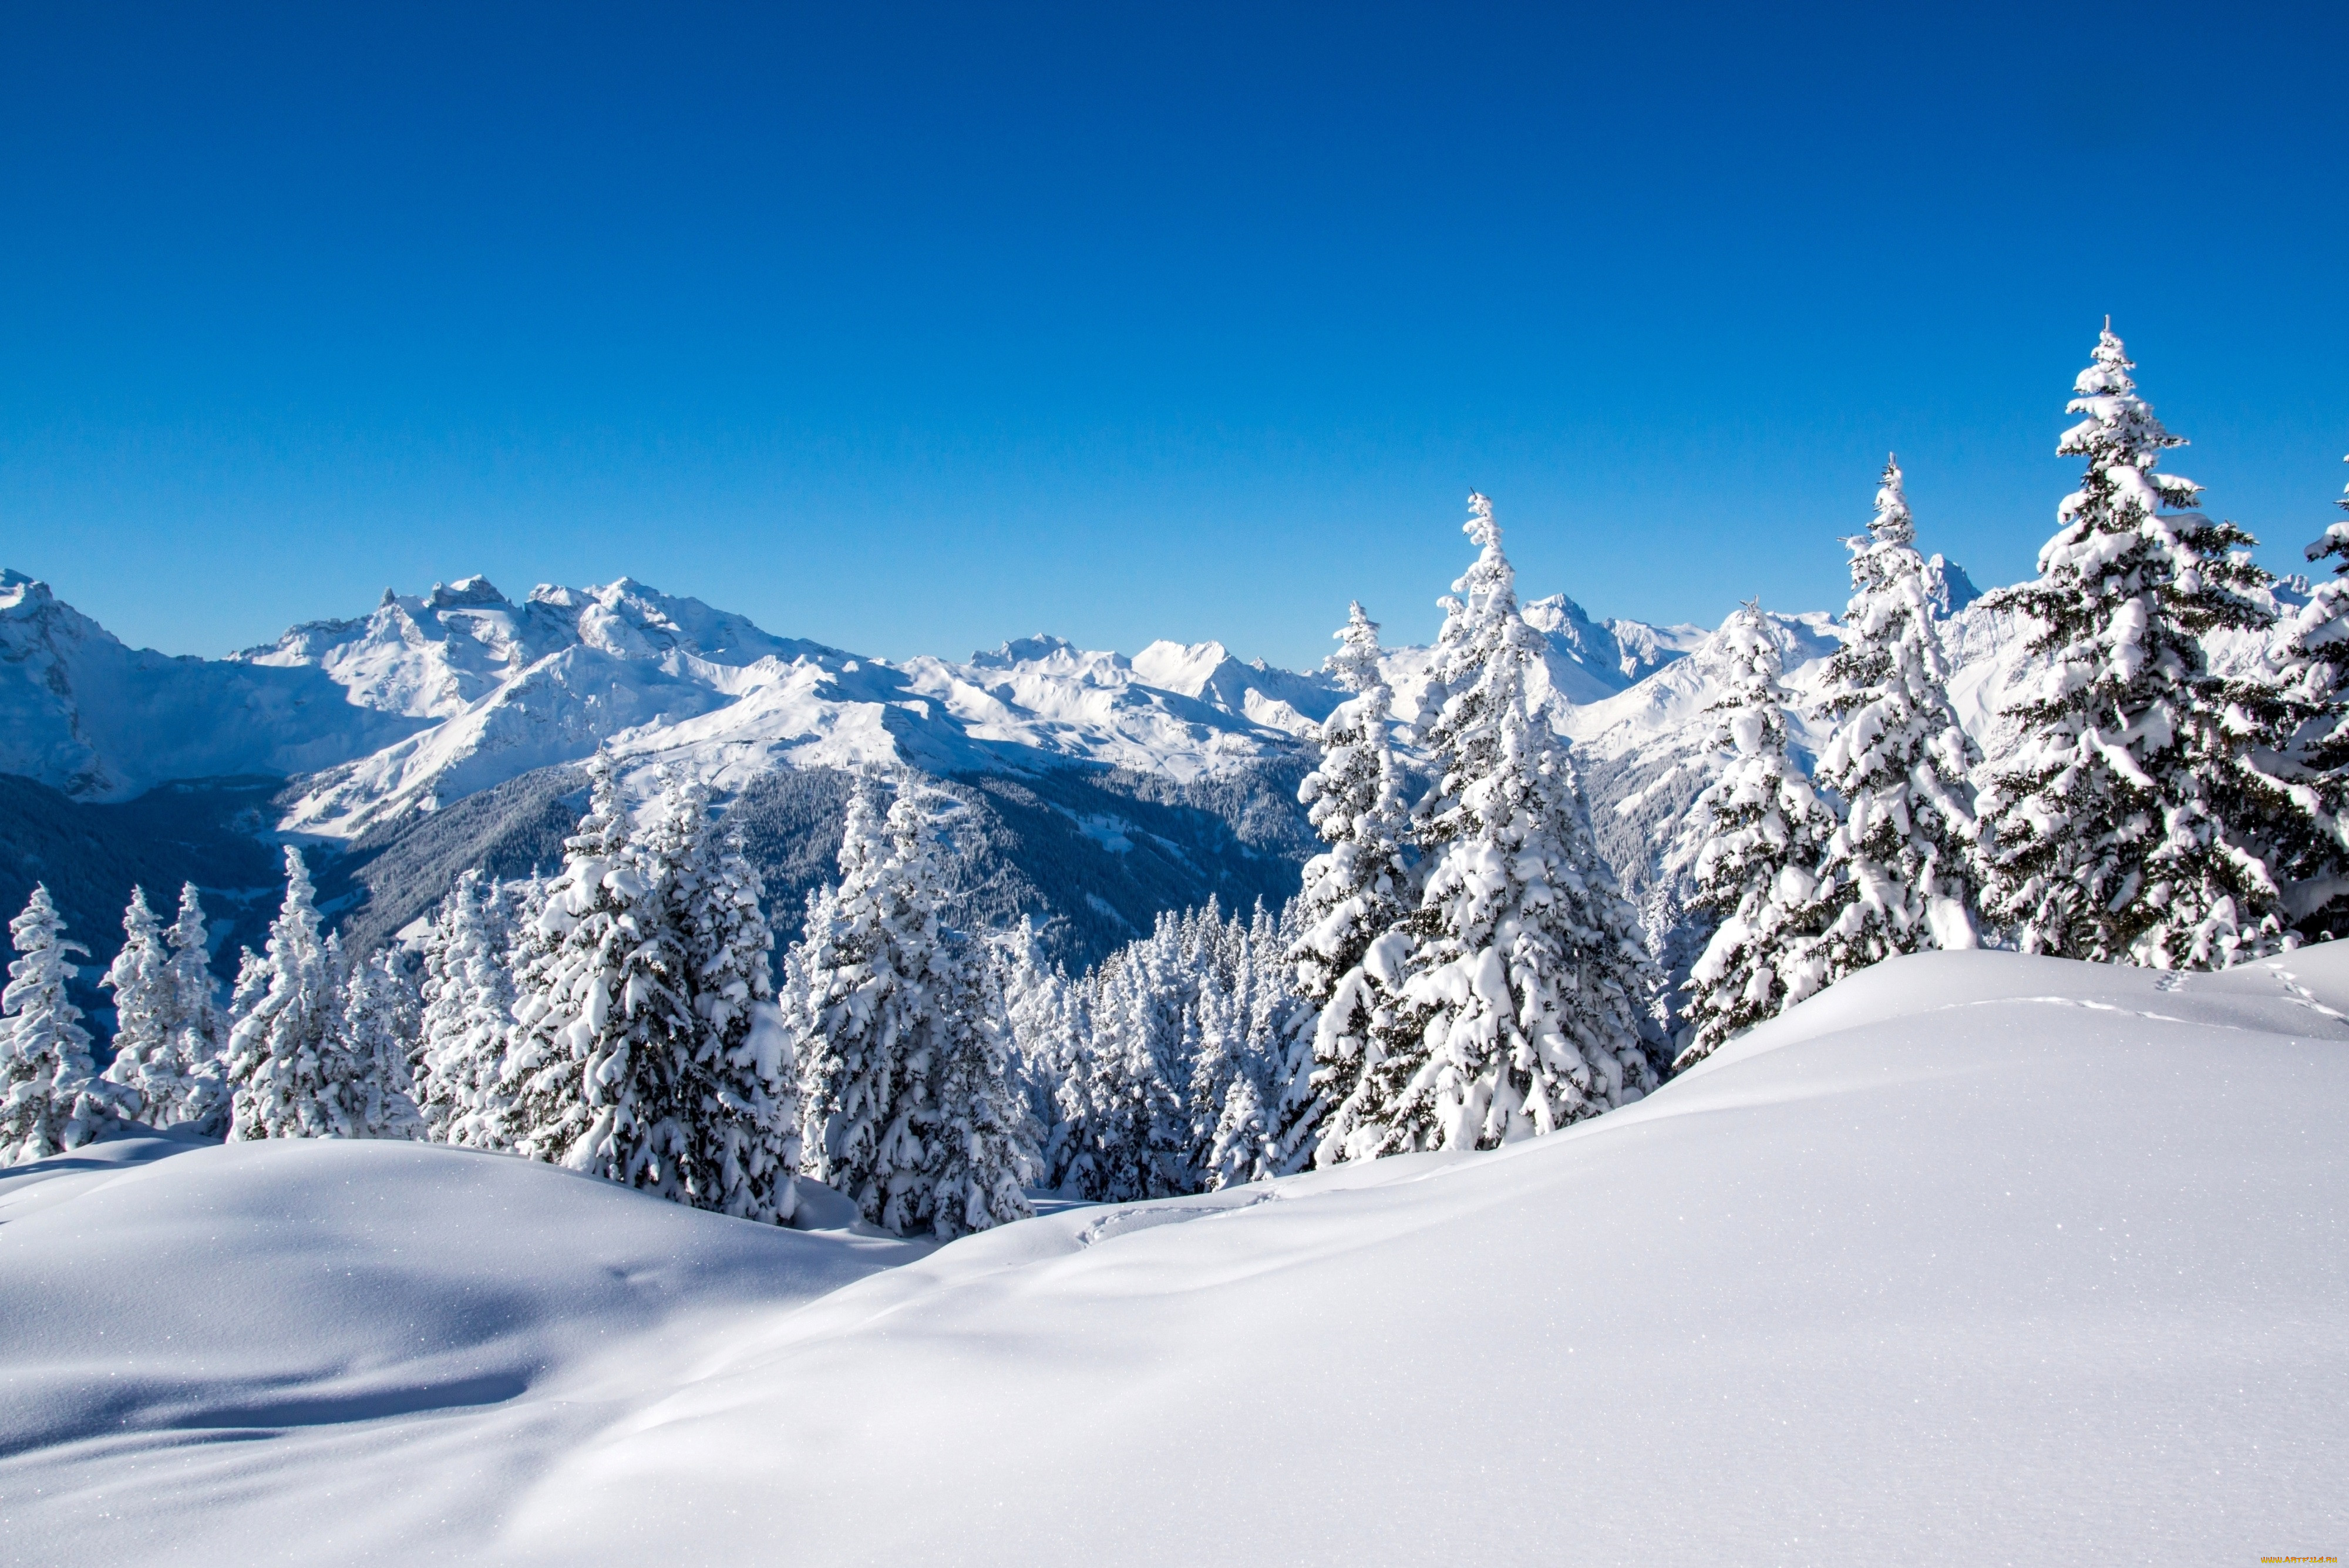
{"x": 83, "y": 713}
{"x": 1975, "y": 1257}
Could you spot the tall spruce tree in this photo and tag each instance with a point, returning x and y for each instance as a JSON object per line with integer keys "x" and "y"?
{"x": 145, "y": 1000}
{"x": 904, "y": 1099}
{"x": 377, "y": 1027}
{"x": 2107, "y": 834}
{"x": 294, "y": 1070}
{"x": 1526, "y": 990}
{"x": 467, "y": 1005}
{"x": 737, "y": 1099}
{"x": 51, "y": 1098}
{"x": 1764, "y": 833}
{"x": 981, "y": 1152}
{"x": 603, "y": 1020}
{"x": 1354, "y": 895}
{"x": 1898, "y": 876}
{"x": 2307, "y": 834}
{"x": 167, "y": 1037}
{"x": 197, "y": 1098}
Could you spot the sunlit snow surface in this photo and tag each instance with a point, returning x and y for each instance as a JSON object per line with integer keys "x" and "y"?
{"x": 1973, "y": 1259}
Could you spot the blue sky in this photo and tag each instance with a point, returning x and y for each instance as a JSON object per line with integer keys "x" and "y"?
{"x": 914, "y": 329}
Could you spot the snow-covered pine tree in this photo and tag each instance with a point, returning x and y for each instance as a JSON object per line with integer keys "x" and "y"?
{"x": 51, "y": 1098}
{"x": 468, "y": 1007}
{"x": 2107, "y": 834}
{"x": 1039, "y": 1008}
{"x": 1268, "y": 1033}
{"x": 602, "y": 1022}
{"x": 1898, "y": 877}
{"x": 199, "y": 1098}
{"x": 737, "y": 1099}
{"x": 1527, "y": 984}
{"x": 379, "y": 1026}
{"x": 981, "y": 1157}
{"x": 1765, "y": 832}
{"x": 145, "y": 1000}
{"x": 1354, "y": 895}
{"x": 2306, "y": 836}
{"x": 905, "y": 1101}
{"x": 1131, "y": 1135}
{"x": 293, "y": 1070}
{"x": 1215, "y": 1045}
{"x": 864, "y": 959}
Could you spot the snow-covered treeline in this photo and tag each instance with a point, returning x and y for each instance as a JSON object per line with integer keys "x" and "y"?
{"x": 2164, "y": 784}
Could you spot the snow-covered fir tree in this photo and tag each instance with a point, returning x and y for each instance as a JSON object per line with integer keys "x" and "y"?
{"x": 196, "y": 1095}
{"x": 1354, "y": 895}
{"x": 1898, "y": 876}
{"x": 603, "y": 1027}
{"x": 981, "y": 1147}
{"x": 373, "y": 1035}
{"x": 145, "y": 998}
{"x": 468, "y": 1007}
{"x": 1764, "y": 832}
{"x": 904, "y": 1099}
{"x": 2307, "y": 840}
{"x": 1527, "y": 986}
{"x": 737, "y": 1100}
{"x": 2106, "y": 833}
{"x": 168, "y": 1035}
{"x": 51, "y": 1098}
{"x": 1140, "y": 1132}
{"x": 1039, "y": 1005}
{"x": 858, "y": 1020}
{"x": 293, "y": 1069}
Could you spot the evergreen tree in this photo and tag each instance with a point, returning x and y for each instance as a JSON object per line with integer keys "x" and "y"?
{"x": 468, "y": 1007}
{"x": 1897, "y": 874}
{"x": 51, "y": 1098}
{"x": 293, "y": 1070}
{"x": 981, "y": 1152}
{"x": 2307, "y": 834}
{"x": 1765, "y": 832}
{"x": 1354, "y": 895}
{"x": 905, "y": 1098}
{"x": 603, "y": 1019}
{"x": 1526, "y": 987}
{"x": 378, "y": 1024}
{"x": 167, "y": 1036}
{"x": 197, "y": 1096}
{"x": 737, "y": 1101}
{"x": 145, "y": 1001}
{"x": 1039, "y": 1006}
{"x": 2108, "y": 834}
{"x": 1139, "y": 1130}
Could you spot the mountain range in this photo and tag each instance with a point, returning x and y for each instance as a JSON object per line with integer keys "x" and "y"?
{"x": 445, "y": 729}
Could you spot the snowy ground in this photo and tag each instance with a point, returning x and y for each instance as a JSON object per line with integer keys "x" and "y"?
{"x": 1975, "y": 1259}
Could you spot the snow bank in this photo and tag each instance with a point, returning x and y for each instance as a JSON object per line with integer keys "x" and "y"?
{"x": 1973, "y": 1259}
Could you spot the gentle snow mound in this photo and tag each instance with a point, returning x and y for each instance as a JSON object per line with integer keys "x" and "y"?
{"x": 1972, "y": 1258}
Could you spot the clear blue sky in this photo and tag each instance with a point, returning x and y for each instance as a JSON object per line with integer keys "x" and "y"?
{"x": 912, "y": 329}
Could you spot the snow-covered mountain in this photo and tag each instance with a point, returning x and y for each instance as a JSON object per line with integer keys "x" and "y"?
{"x": 429, "y": 698}
{"x": 83, "y": 713}
{"x": 385, "y": 722}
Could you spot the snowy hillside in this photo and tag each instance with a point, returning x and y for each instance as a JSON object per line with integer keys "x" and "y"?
{"x": 1975, "y": 1257}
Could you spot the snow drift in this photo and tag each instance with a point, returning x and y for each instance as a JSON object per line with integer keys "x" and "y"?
{"x": 1974, "y": 1258}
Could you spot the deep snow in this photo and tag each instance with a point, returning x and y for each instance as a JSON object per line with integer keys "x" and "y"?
{"x": 1974, "y": 1257}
